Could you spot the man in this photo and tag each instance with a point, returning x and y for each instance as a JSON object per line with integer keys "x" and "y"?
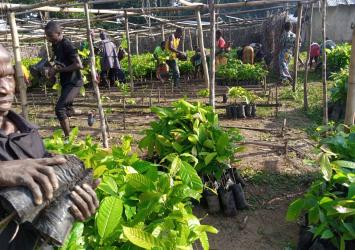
{"x": 24, "y": 163}
{"x": 171, "y": 46}
{"x": 196, "y": 61}
{"x": 314, "y": 54}
{"x": 110, "y": 64}
{"x": 70, "y": 77}
{"x": 288, "y": 39}
{"x": 221, "y": 47}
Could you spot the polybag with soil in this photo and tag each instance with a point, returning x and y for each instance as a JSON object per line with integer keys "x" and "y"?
{"x": 52, "y": 219}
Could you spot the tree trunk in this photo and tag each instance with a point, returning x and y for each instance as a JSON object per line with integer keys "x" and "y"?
{"x": 324, "y": 69}
{"x": 213, "y": 53}
{"x": 202, "y": 47}
{"x": 310, "y": 31}
{"x": 350, "y": 103}
{"x": 129, "y": 53}
{"x": 297, "y": 45}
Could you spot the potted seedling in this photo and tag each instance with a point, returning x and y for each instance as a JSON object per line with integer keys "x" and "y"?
{"x": 250, "y": 107}
{"x": 238, "y": 93}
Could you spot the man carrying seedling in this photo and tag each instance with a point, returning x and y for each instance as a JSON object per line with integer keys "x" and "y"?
{"x": 172, "y": 45}
{"x": 24, "y": 162}
{"x": 288, "y": 40}
{"x": 68, "y": 67}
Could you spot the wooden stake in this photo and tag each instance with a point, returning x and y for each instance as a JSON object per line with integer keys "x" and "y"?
{"x": 129, "y": 53}
{"x": 297, "y": 45}
{"x": 137, "y": 44}
{"x": 183, "y": 40}
{"x": 190, "y": 40}
{"x": 20, "y": 80}
{"x": 202, "y": 48}
{"x": 213, "y": 53}
{"x": 162, "y": 32}
{"x": 350, "y": 103}
{"x": 94, "y": 78}
{"x": 305, "y": 91}
{"x": 324, "y": 68}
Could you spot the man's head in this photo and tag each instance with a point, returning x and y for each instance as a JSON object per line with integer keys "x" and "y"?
{"x": 7, "y": 81}
{"x": 218, "y": 34}
{"x": 54, "y": 32}
{"x": 103, "y": 35}
{"x": 162, "y": 45}
{"x": 288, "y": 26}
{"x": 178, "y": 33}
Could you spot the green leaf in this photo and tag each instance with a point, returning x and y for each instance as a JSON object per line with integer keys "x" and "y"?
{"x": 139, "y": 182}
{"x": 74, "y": 240}
{"x": 327, "y": 234}
{"x": 222, "y": 142}
{"x": 140, "y": 238}
{"x": 345, "y": 164}
{"x": 206, "y": 228}
{"x": 295, "y": 209}
{"x": 313, "y": 215}
{"x": 175, "y": 166}
{"x": 326, "y": 168}
{"x": 209, "y": 144}
{"x": 178, "y": 147}
{"x": 108, "y": 185}
{"x": 350, "y": 228}
{"x": 351, "y": 191}
{"x": 204, "y": 241}
{"x": 209, "y": 157}
{"x": 342, "y": 244}
{"x": 193, "y": 139}
{"x": 190, "y": 177}
{"x": 109, "y": 216}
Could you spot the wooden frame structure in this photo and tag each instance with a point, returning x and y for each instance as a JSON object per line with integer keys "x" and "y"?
{"x": 160, "y": 28}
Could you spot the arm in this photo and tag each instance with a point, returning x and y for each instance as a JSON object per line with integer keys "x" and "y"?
{"x": 76, "y": 65}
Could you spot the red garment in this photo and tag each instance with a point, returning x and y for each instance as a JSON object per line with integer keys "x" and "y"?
{"x": 221, "y": 43}
{"x": 315, "y": 50}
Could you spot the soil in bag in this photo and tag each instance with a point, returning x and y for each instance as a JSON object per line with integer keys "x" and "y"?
{"x": 20, "y": 199}
{"x": 239, "y": 196}
{"x": 56, "y": 221}
{"x": 305, "y": 239}
{"x": 248, "y": 110}
{"x": 234, "y": 113}
{"x": 227, "y": 202}
{"x": 212, "y": 201}
{"x": 241, "y": 111}
{"x": 253, "y": 110}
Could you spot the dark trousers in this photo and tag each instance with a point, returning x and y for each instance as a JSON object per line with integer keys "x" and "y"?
{"x": 64, "y": 107}
{"x": 113, "y": 75}
{"x": 174, "y": 69}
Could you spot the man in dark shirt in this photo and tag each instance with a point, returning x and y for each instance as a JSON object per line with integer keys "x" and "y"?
{"x": 23, "y": 162}
{"x": 69, "y": 69}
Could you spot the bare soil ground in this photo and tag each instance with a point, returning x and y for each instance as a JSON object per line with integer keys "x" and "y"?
{"x": 273, "y": 178}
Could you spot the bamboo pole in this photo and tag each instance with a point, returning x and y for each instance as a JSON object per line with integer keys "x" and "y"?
{"x": 202, "y": 48}
{"x": 137, "y": 44}
{"x": 94, "y": 77}
{"x": 183, "y": 40}
{"x": 20, "y": 80}
{"x": 162, "y": 32}
{"x": 350, "y": 103}
{"x": 305, "y": 84}
{"x": 129, "y": 53}
{"x": 190, "y": 40}
{"x": 324, "y": 64}
{"x": 297, "y": 47}
{"x": 213, "y": 53}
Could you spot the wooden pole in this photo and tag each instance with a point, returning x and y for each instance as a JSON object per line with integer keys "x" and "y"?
{"x": 20, "y": 80}
{"x": 183, "y": 40}
{"x": 137, "y": 44}
{"x": 129, "y": 53}
{"x": 202, "y": 48}
{"x": 310, "y": 34}
{"x": 94, "y": 77}
{"x": 297, "y": 45}
{"x": 213, "y": 53}
{"x": 324, "y": 64}
{"x": 190, "y": 40}
{"x": 162, "y": 32}
{"x": 350, "y": 103}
